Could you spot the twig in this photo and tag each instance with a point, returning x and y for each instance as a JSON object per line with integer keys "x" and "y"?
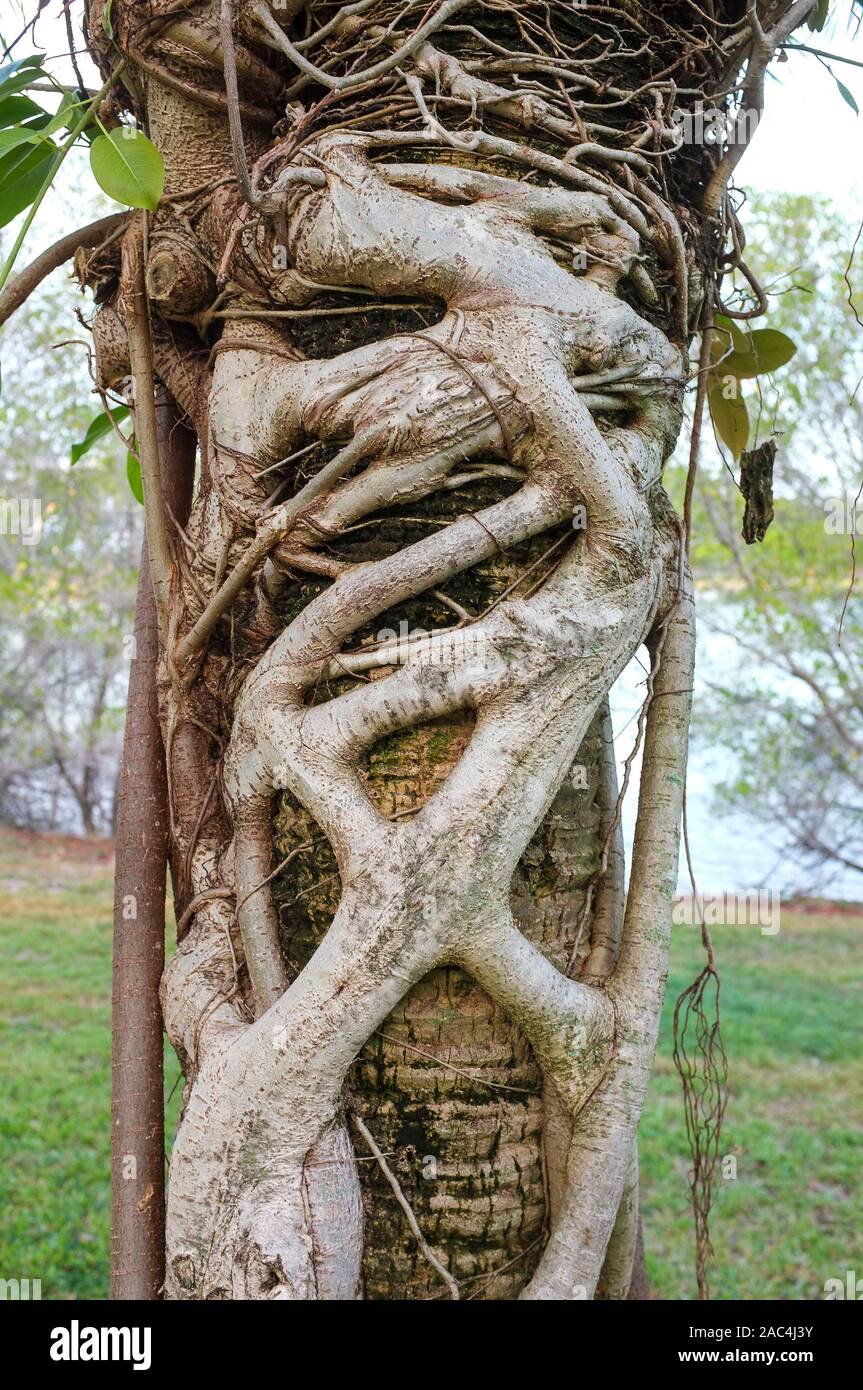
{"x": 134, "y": 299}
{"x": 448, "y": 1066}
{"x": 313, "y": 313}
{"x": 846, "y": 276}
{"x": 698, "y": 417}
{"x": 704, "y": 1102}
{"x": 279, "y": 526}
{"x": 853, "y": 577}
{"x": 405, "y": 1205}
{"x": 763, "y": 46}
{"x": 56, "y": 162}
{"x": 276, "y": 871}
{"x": 27, "y": 280}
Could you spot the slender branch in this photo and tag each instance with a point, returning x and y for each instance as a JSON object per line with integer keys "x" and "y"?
{"x": 821, "y": 53}
{"x": 354, "y": 79}
{"x": 56, "y": 162}
{"x": 697, "y": 419}
{"x": 144, "y": 404}
{"x": 763, "y": 46}
{"x": 275, "y": 530}
{"x": 26, "y": 281}
{"x": 425, "y": 1248}
{"x": 229, "y": 58}
{"x": 138, "y": 1157}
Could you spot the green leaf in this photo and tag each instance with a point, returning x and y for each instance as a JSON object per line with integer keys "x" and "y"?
{"x": 20, "y": 67}
{"x": 847, "y": 95}
{"x": 15, "y": 76}
{"x": 767, "y": 351}
{"x": 18, "y": 135}
{"x": 133, "y": 473}
{"x": 18, "y": 108}
{"x": 731, "y": 329}
{"x": 18, "y": 64}
{"x": 128, "y": 167}
{"x": 727, "y": 338}
{"x": 22, "y": 173}
{"x": 68, "y": 117}
{"x": 68, "y": 114}
{"x": 99, "y": 426}
{"x": 33, "y": 133}
{"x": 731, "y": 419}
{"x": 818, "y": 17}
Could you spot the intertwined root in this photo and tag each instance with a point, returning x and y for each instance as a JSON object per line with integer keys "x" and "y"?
{"x": 263, "y": 1193}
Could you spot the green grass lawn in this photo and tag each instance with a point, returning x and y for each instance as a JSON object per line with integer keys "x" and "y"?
{"x": 792, "y": 1016}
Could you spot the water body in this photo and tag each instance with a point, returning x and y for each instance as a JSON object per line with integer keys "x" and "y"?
{"x": 730, "y": 853}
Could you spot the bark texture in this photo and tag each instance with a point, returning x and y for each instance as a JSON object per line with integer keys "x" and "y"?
{"x": 448, "y": 1085}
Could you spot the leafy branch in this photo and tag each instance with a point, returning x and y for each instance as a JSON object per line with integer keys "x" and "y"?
{"x": 738, "y": 355}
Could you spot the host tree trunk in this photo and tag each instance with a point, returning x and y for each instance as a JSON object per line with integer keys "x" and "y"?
{"x": 423, "y": 281}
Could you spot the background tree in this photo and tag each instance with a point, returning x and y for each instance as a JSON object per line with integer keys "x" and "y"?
{"x": 785, "y": 696}
{"x": 67, "y": 586}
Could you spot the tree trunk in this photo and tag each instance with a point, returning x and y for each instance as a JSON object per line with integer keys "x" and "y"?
{"x": 639, "y": 1286}
{"x": 423, "y": 279}
{"x": 448, "y": 1087}
{"x": 138, "y": 1144}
